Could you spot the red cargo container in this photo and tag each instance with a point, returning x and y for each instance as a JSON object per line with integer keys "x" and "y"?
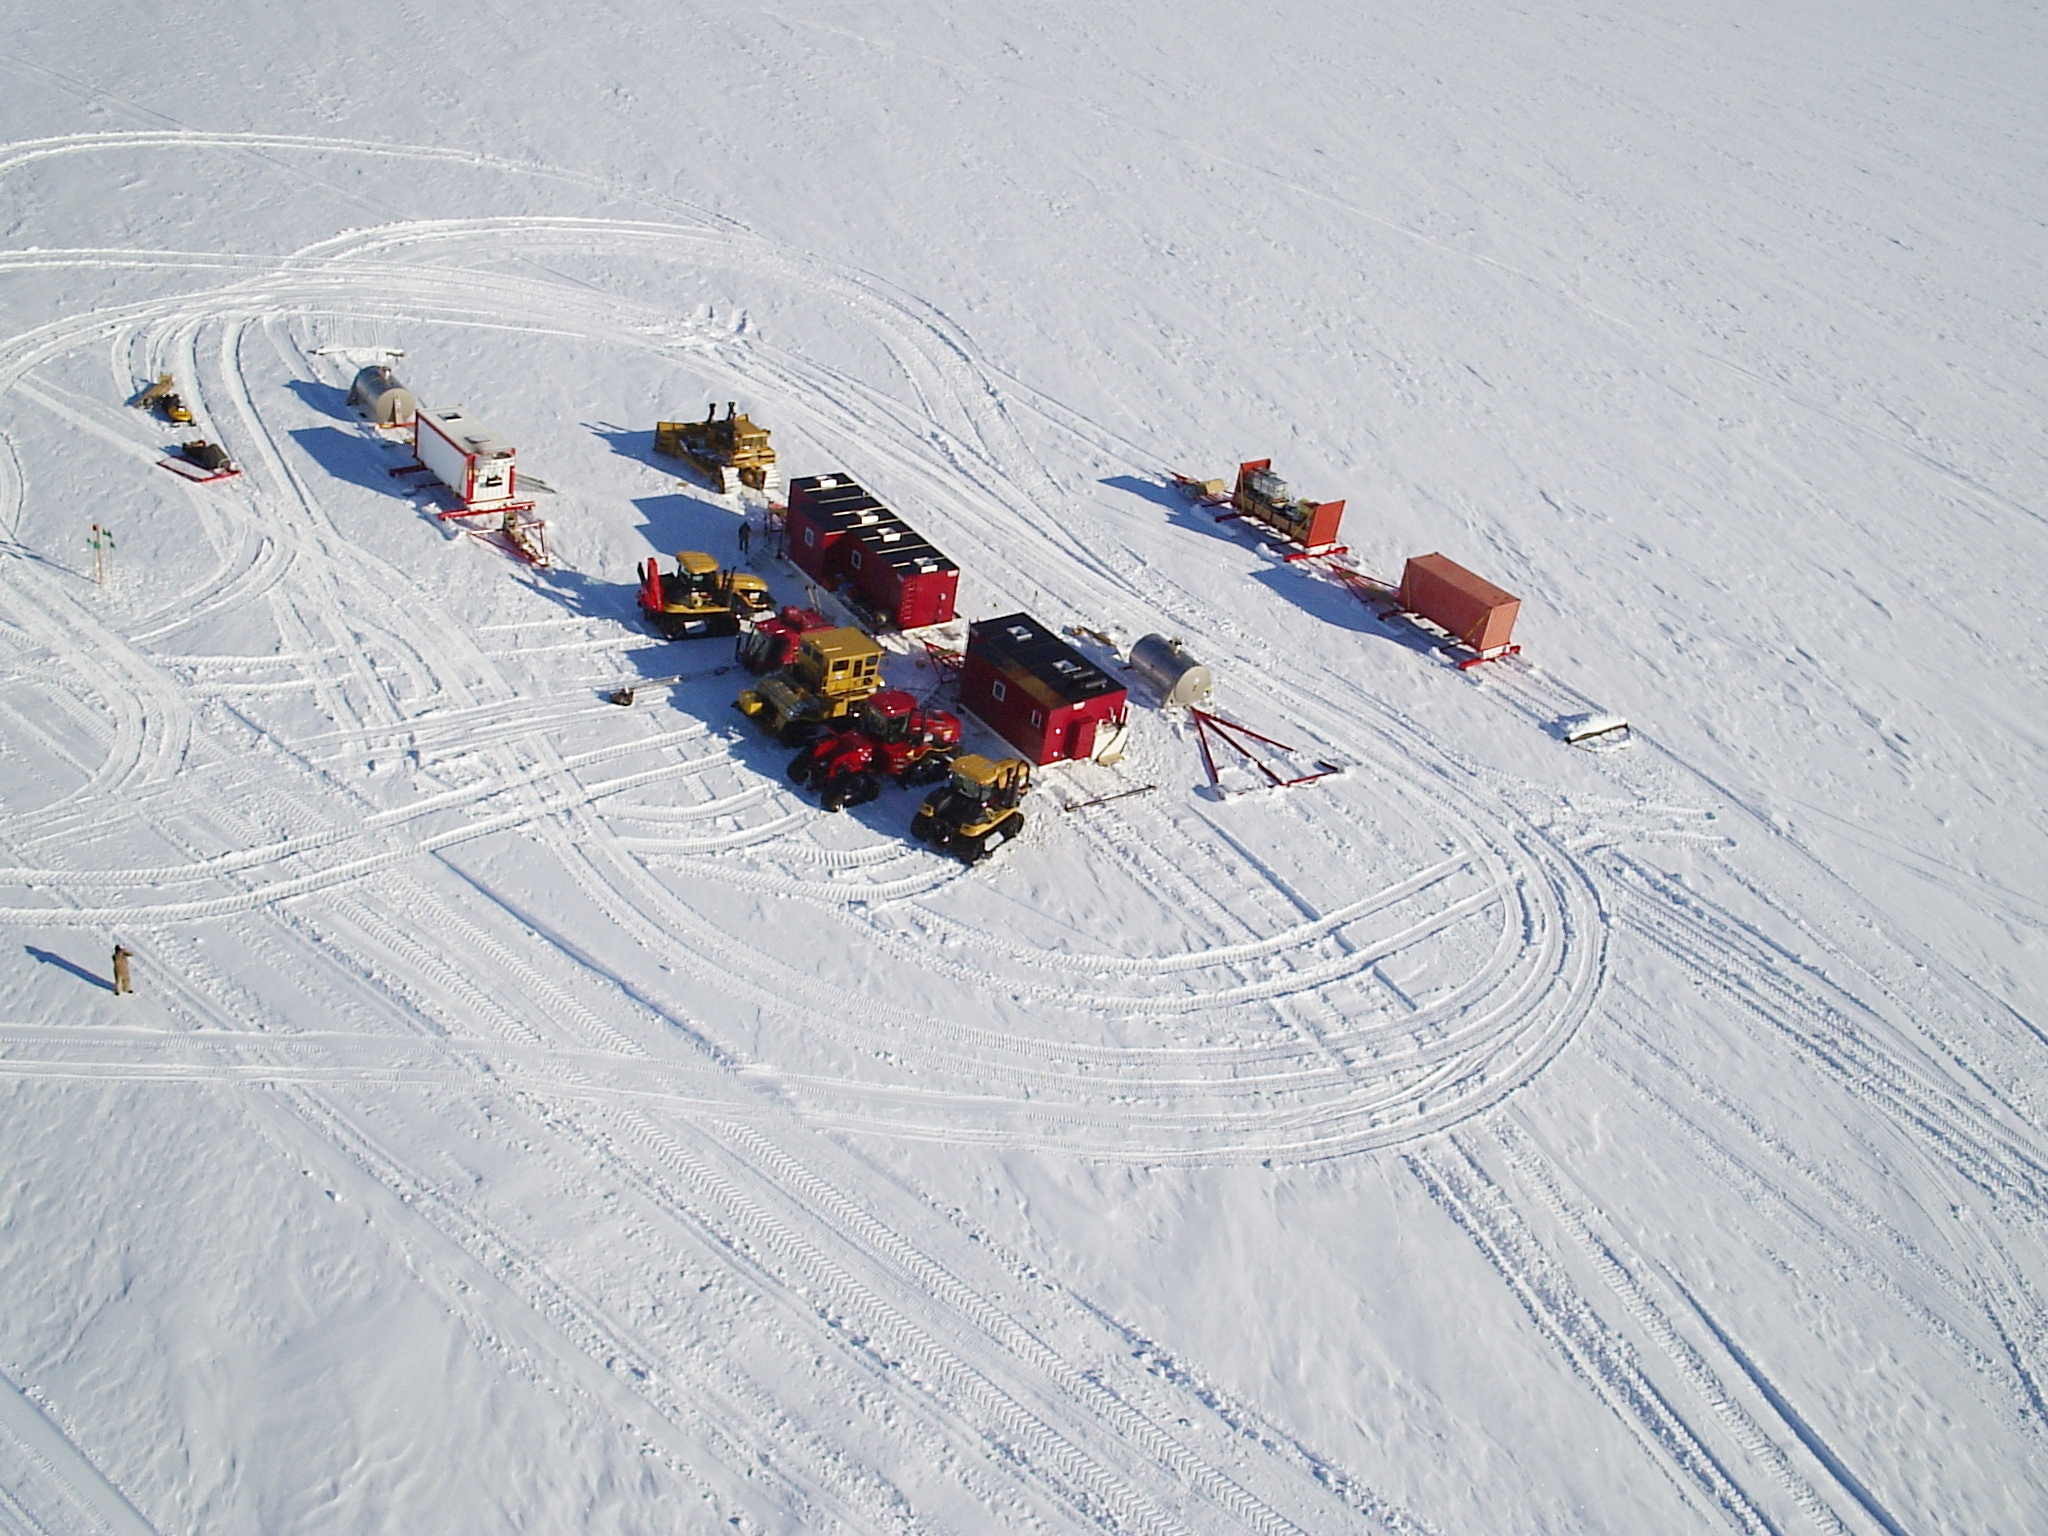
{"x": 1451, "y": 597}
{"x": 1040, "y": 694}
{"x": 839, "y": 533}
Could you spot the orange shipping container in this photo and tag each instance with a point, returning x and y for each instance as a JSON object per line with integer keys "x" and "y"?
{"x": 1470, "y": 607}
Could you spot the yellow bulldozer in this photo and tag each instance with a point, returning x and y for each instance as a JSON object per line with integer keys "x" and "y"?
{"x": 976, "y": 812}
{"x": 699, "y": 599}
{"x": 834, "y": 673}
{"x": 729, "y": 452}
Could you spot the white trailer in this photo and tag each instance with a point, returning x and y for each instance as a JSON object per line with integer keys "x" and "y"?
{"x": 467, "y": 457}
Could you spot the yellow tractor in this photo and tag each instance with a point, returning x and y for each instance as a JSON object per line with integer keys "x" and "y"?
{"x": 834, "y": 673}
{"x": 699, "y": 599}
{"x": 976, "y": 812}
{"x": 729, "y": 454}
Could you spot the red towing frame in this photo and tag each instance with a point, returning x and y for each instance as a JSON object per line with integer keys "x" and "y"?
{"x": 1235, "y": 736}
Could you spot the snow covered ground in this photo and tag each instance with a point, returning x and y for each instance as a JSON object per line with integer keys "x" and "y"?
{"x": 534, "y": 1115}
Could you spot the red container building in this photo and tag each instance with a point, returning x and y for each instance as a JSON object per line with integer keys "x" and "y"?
{"x": 1451, "y": 597}
{"x": 838, "y": 533}
{"x": 1038, "y": 693}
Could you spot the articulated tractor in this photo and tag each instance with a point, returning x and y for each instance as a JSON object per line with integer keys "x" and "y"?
{"x": 890, "y": 738}
{"x": 773, "y": 642}
{"x": 699, "y": 599}
{"x": 835, "y": 671}
{"x": 977, "y": 812}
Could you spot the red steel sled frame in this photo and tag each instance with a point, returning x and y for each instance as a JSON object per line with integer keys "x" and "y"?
{"x": 946, "y": 662}
{"x": 194, "y": 473}
{"x": 1234, "y": 736}
{"x": 534, "y": 550}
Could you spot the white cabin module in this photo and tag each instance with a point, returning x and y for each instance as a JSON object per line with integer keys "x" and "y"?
{"x": 466, "y": 456}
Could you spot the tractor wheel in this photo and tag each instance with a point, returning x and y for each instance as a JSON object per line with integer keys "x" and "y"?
{"x": 970, "y": 849}
{"x": 863, "y": 788}
{"x": 928, "y": 770}
{"x": 800, "y": 768}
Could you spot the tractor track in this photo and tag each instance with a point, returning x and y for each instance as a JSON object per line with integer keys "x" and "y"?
{"x": 1599, "y": 1356}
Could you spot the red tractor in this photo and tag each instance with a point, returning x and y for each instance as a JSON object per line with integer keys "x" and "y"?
{"x": 890, "y": 738}
{"x": 774, "y": 641}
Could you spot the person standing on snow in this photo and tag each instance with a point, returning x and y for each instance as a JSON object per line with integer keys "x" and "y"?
{"x": 121, "y": 984}
{"x": 746, "y": 537}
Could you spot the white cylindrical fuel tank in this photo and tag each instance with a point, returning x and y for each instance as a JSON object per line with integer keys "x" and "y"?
{"x": 379, "y": 396}
{"x": 1179, "y": 678}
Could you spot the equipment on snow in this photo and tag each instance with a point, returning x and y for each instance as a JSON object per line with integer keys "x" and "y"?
{"x": 1177, "y": 676}
{"x": 977, "y": 812}
{"x": 201, "y": 462}
{"x": 1264, "y": 497}
{"x": 729, "y": 454}
{"x": 848, "y": 542}
{"x": 1476, "y": 613}
{"x": 773, "y": 641}
{"x": 382, "y": 400}
{"x": 163, "y": 395}
{"x": 890, "y": 738}
{"x": 1214, "y": 729}
{"x": 834, "y": 671}
{"x": 469, "y": 459}
{"x": 1040, "y": 694}
{"x": 698, "y": 599}
{"x": 1580, "y": 729}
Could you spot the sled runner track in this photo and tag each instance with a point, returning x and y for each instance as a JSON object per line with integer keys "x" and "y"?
{"x": 1453, "y": 1178}
{"x": 876, "y": 1329}
{"x": 720, "y": 1409}
{"x": 2014, "y": 1375}
{"x": 813, "y": 1196}
{"x": 952, "y": 364}
{"x": 1714, "y": 950}
{"x": 1632, "y": 1282}
{"x": 84, "y": 1496}
{"x": 697, "y": 1395}
{"x": 508, "y": 783}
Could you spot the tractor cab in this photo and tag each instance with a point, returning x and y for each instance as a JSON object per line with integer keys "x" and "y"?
{"x": 888, "y": 715}
{"x": 773, "y": 642}
{"x": 697, "y": 598}
{"x": 977, "y": 811}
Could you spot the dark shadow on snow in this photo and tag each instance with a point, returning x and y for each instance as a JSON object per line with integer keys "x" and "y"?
{"x": 69, "y": 965}
{"x": 327, "y": 399}
{"x": 359, "y": 460}
{"x": 638, "y": 445}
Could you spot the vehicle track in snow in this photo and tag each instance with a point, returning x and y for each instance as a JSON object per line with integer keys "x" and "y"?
{"x": 1592, "y": 1349}
{"x": 1323, "y": 1079}
{"x": 944, "y": 372}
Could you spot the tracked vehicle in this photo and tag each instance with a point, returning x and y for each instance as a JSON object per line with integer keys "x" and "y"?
{"x": 977, "y": 812}
{"x": 835, "y": 671}
{"x": 890, "y": 738}
{"x": 698, "y": 599}
{"x": 729, "y": 452}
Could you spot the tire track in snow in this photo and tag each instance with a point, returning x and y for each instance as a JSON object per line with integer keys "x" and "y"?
{"x": 1454, "y": 1180}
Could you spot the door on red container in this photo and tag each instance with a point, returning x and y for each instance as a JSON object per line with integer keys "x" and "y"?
{"x": 1081, "y": 740}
